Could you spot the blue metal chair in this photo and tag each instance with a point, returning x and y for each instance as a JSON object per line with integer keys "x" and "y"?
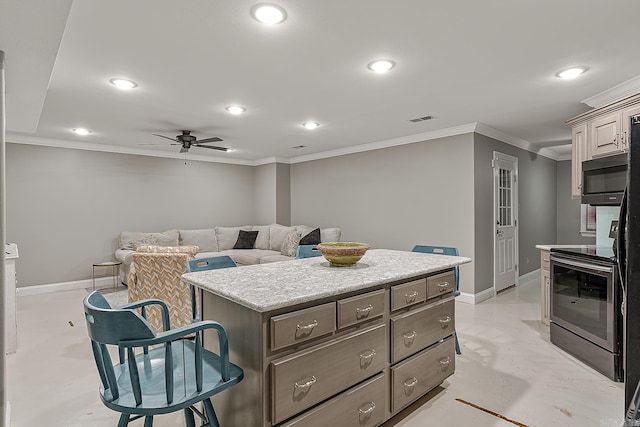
{"x": 444, "y": 250}
{"x": 307, "y": 251}
{"x": 203, "y": 264}
{"x": 174, "y": 375}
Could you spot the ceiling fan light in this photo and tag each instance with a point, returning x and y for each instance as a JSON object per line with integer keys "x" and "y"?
{"x": 81, "y": 131}
{"x": 269, "y": 14}
{"x": 571, "y": 73}
{"x": 235, "y": 109}
{"x": 310, "y": 125}
{"x": 381, "y": 65}
{"x": 123, "y": 84}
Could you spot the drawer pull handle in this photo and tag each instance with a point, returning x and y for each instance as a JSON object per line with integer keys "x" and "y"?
{"x": 444, "y": 323}
{"x": 369, "y": 410}
{"x": 409, "y": 335}
{"x": 445, "y": 361}
{"x": 368, "y": 355}
{"x": 411, "y": 297}
{"x": 307, "y": 384}
{"x": 411, "y": 382}
{"x": 307, "y": 327}
{"x": 364, "y": 312}
{"x": 443, "y": 286}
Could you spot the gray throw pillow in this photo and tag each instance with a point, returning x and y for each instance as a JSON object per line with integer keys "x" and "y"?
{"x": 246, "y": 239}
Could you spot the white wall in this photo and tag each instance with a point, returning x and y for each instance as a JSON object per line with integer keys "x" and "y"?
{"x": 393, "y": 198}
{"x": 264, "y": 193}
{"x": 66, "y": 207}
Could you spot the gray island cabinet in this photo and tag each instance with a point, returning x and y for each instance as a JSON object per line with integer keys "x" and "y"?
{"x": 321, "y": 345}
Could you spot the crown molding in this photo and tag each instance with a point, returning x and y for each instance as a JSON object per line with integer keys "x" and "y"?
{"x": 269, "y": 160}
{"x": 32, "y": 140}
{"x": 485, "y": 130}
{"x": 410, "y": 139}
{"x": 623, "y": 90}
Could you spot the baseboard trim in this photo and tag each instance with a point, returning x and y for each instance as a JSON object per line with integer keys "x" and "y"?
{"x": 101, "y": 283}
{"x": 528, "y": 276}
{"x": 476, "y": 298}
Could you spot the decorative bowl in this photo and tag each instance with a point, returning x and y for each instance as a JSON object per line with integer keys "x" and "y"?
{"x": 343, "y": 254}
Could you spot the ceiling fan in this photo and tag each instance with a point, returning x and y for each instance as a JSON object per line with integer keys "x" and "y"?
{"x": 186, "y": 140}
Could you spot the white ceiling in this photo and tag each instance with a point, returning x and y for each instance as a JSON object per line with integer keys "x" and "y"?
{"x": 490, "y": 62}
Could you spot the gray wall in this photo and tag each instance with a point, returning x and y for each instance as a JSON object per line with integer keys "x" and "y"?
{"x": 264, "y": 188}
{"x": 66, "y": 207}
{"x": 394, "y": 197}
{"x": 568, "y": 214}
{"x": 537, "y": 207}
{"x": 283, "y": 194}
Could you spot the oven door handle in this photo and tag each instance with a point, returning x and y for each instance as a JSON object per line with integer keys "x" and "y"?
{"x": 579, "y": 264}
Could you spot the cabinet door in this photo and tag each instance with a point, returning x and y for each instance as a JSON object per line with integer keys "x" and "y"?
{"x": 627, "y": 113}
{"x": 605, "y": 135}
{"x": 579, "y": 153}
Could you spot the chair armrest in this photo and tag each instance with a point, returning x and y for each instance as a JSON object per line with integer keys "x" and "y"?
{"x": 143, "y": 303}
{"x": 175, "y": 334}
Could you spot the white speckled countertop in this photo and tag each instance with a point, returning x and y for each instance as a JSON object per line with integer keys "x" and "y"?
{"x": 266, "y": 287}
{"x": 549, "y": 247}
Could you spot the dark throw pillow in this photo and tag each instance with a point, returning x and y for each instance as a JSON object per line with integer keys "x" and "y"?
{"x": 313, "y": 238}
{"x": 246, "y": 239}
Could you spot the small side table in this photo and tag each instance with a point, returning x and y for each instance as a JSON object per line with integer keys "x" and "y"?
{"x": 115, "y": 269}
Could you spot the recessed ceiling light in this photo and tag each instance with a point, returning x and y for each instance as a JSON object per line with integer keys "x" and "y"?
{"x": 235, "y": 109}
{"x": 123, "y": 84}
{"x": 81, "y": 131}
{"x": 381, "y": 65}
{"x": 571, "y": 73}
{"x": 269, "y": 14}
{"x": 310, "y": 125}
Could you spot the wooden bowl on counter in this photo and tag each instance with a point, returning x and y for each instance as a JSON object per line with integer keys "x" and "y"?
{"x": 343, "y": 254}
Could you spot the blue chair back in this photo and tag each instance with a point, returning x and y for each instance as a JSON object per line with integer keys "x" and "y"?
{"x": 202, "y": 264}
{"x": 307, "y": 251}
{"x": 441, "y": 250}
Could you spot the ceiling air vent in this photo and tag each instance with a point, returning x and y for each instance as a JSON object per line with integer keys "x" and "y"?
{"x": 297, "y": 147}
{"x": 422, "y": 119}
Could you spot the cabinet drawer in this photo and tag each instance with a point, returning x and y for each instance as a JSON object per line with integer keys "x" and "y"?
{"x": 544, "y": 260}
{"x": 408, "y": 294}
{"x": 302, "y": 325}
{"x": 305, "y": 378}
{"x": 419, "y": 374}
{"x": 363, "y": 405}
{"x": 360, "y": 308}
{"x": 418, "y": 329}
{"x": 441, "y": 284}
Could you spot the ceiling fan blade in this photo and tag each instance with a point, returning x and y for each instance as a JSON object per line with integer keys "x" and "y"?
{"x": 166, "y": 137}
{"x": 184, "y": 149}
{"x": 211, "y": 147}
{"x": 214, "y": 139}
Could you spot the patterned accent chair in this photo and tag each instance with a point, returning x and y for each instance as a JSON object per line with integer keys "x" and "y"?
{"x": 158, "y": 276}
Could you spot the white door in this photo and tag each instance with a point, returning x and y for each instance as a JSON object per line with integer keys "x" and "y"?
{"x": 505, "y": 200}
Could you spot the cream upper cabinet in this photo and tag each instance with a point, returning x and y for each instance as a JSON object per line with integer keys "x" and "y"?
{"x": 579, "y": 153}
{"x": 627, "y": 113}
{"x": 605, "y": 135}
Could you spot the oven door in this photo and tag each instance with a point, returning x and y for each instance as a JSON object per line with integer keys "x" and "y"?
{"x": 583, "y": 299}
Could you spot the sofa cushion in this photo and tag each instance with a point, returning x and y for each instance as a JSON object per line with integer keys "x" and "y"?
{"x": 246, "y": 239}
{"x": 274, "y": 258}
{"x": 205, "y": 239}
{"x": 190, "y": 250}
{"x": 330, "y": 234}
{"x": 313, "y": 238}
{"x": 277, "y": 234}
{"x": 290, "y": 243}
{"x": 132, "y": 239}
{"x": 262, "y": 241}
{"x": 248, "y": 256}
{"x": 227, "y": 236}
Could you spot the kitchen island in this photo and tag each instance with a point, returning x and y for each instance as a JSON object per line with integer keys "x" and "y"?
{"x": 322, "y": 345}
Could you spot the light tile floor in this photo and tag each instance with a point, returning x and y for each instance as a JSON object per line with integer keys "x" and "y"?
{"x": 507, "y": 366}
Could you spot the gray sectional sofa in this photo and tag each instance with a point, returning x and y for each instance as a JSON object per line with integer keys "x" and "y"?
{"x": 273, "y": 243}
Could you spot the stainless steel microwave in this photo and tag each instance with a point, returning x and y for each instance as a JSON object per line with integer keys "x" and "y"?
{"x": 604, "y": 180}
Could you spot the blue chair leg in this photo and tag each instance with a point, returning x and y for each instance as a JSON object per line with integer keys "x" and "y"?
{"x": 148, "y": 421}
{"x": 211, "y": 414}
{"x": 189, "y": 420}
{"x": 124, "y": 420}
{"x": 455, "y": 336}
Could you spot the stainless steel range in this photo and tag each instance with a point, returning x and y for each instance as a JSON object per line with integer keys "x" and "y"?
{"x": 586, "y": 319}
